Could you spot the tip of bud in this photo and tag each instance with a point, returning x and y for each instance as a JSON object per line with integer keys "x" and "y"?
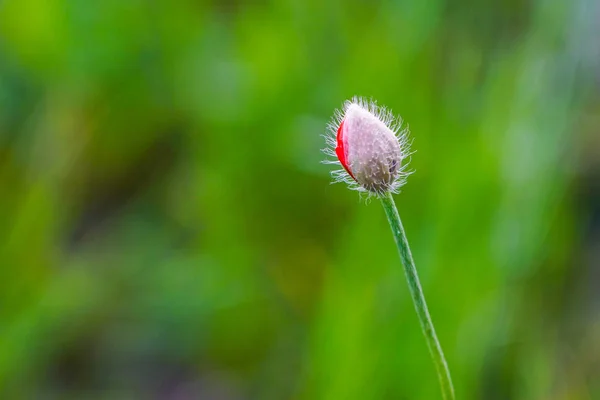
{"x": 369, "y": 143}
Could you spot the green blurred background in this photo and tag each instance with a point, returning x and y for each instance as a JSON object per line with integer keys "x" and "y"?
{"x": 167, "y": 230}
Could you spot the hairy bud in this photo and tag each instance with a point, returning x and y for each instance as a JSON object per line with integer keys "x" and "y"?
{"x": 370, "y": 146}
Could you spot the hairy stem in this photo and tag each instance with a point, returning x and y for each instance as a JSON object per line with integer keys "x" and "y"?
{"x": 418, "y": 298}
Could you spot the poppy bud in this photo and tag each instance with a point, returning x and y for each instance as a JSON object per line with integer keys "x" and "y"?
{"x": 370, "y": 146}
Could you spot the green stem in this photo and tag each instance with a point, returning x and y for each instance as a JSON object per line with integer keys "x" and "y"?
{"x": 418, "y": 298}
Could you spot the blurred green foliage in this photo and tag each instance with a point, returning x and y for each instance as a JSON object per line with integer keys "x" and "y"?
{"x": 167, "y": 231}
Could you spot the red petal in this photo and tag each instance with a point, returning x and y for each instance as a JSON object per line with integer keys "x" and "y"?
{"x": 340, "y": 151}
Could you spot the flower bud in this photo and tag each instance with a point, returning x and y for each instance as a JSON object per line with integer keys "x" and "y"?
{"x": 370, "y": 146}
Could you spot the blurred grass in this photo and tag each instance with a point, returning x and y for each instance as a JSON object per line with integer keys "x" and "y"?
{"x": 168, "y": 232}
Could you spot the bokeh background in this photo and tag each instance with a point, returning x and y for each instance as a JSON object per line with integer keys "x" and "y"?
{"x": 167, "y": 230}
